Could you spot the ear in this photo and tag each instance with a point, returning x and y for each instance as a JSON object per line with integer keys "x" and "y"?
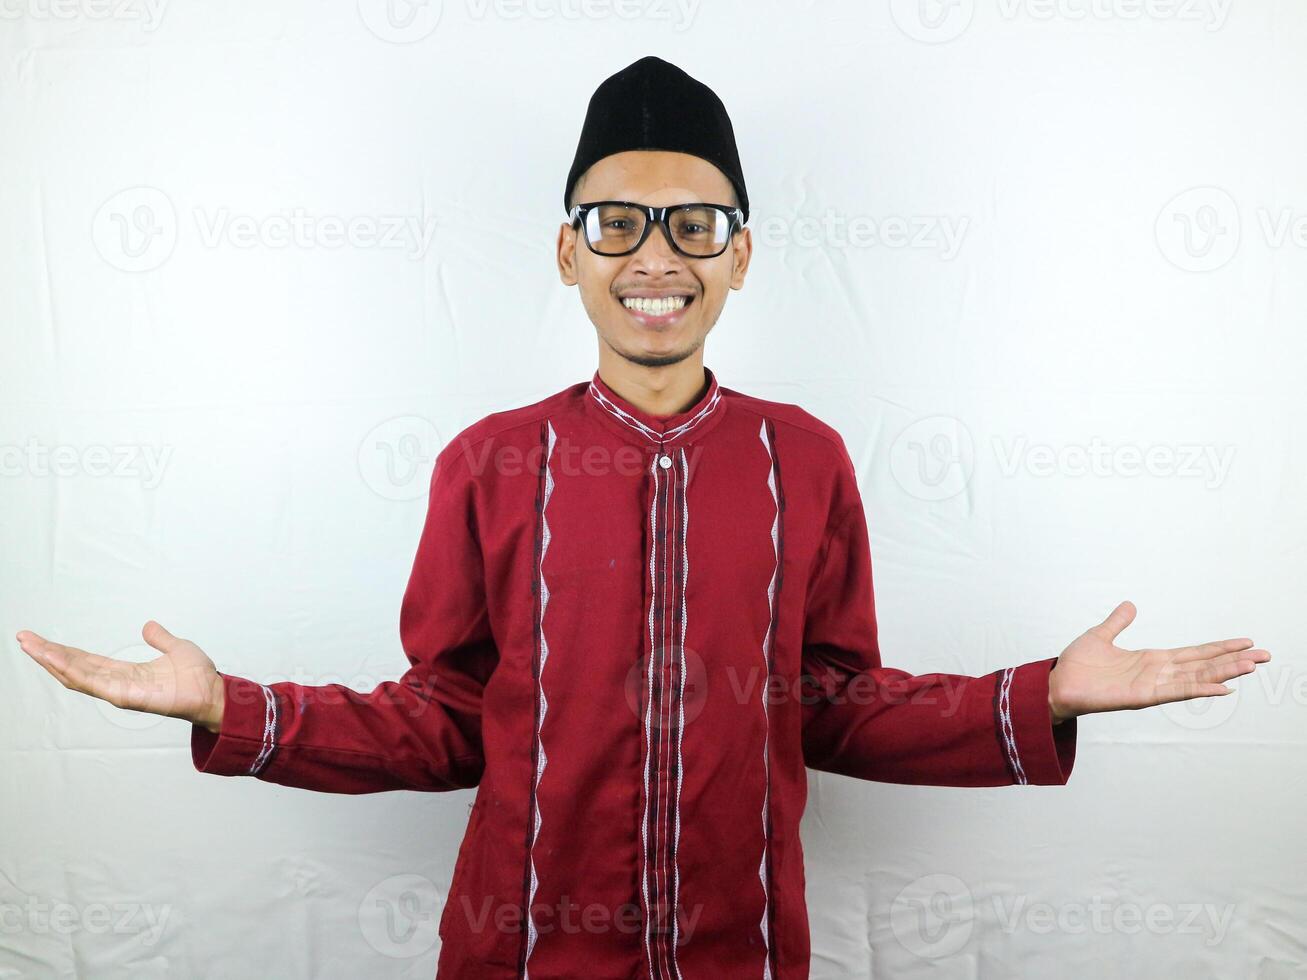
{"x": 741, "y": 252}
{"x": 567, "y": 254}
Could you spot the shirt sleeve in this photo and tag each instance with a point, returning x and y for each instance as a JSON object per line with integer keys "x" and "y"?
{"x": 421, "y": 732}
{"x": 868, "y": 721}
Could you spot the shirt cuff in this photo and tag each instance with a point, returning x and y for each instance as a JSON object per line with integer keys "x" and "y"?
{"x": 248, "y": 736}
{"x": 1038, "y": 752}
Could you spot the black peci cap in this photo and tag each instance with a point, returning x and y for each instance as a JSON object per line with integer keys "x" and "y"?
{"x": 653, "y": 105}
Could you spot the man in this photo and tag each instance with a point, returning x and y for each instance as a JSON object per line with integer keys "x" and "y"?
{"x": 639, "y": 609}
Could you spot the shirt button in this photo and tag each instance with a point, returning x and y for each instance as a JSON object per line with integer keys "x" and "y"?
{"x": 664, "y": 461}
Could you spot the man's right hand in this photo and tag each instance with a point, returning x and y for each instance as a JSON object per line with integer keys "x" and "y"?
{"x": 183, "y": 683}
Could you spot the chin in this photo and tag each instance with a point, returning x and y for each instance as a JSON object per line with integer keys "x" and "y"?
{"x": 657, "y": 352}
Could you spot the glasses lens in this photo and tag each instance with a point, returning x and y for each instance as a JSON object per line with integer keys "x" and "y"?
{"x": 612, "y": 228}
{"x": 700, "y": 230}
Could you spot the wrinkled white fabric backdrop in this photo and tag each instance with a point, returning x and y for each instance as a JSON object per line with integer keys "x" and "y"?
{"x": 1041, "y": 264}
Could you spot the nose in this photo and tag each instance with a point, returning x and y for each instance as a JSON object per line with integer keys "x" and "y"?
{"x": 656, "y": 256}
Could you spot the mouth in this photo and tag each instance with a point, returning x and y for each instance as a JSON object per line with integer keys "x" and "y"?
{"x": 656, "y": 310}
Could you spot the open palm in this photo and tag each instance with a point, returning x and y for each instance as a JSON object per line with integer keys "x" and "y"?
{"x": 183, "y": 683}
{"x": 1093, "y": 674}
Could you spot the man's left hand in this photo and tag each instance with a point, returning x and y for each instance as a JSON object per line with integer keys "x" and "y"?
{"x": 1094, "y": 674}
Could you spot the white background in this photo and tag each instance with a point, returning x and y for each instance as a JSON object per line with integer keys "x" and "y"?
{"x": 1129, "y": 179}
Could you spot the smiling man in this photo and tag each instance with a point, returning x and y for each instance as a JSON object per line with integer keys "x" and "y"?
{"x": 640, "y": 609}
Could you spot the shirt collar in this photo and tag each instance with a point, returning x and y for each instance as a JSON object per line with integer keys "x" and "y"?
{"x": 644, "y": 427}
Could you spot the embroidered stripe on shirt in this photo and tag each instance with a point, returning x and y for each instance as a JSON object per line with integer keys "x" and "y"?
{"x": 649, "y": 433}
{"x": 544, "y": 492}
{"x": 766, "y": 433}
{"x": 680, "y": 707}
{"x": 269, "y": 731}
{"x": 662, "y": 798}
{"x": 1006, "y": 732}
{"x": 644, "y": 824}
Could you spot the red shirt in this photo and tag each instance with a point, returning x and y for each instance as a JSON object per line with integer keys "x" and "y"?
{"x": 598, "y": 598}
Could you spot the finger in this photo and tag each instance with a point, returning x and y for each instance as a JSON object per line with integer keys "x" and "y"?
{"x": 1188, "y": 691}
{"x": 29, "y": 648}
{"x": 27, "y": 639}
{"x": 1223, "y": 670}
{"x": 158, "y": 637}
{"x": 1254, "y": 656}
{"x": 1225, "y": 666}
{"x": 1117, "y": 620}
{"x": 68, "y": 676}
{"x": 63, "y": 657}
{"x": 87, "y": 673}
{"x": 1210, "y": 649}
{"x": 36, "y": 646}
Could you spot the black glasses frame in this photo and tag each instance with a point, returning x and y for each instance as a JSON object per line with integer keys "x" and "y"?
{"x": 658, "y": 216}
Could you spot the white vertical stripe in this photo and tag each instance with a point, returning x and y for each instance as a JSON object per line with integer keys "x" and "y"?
{"x": 766, "y": 650}
{"x": 644, "y": 826}
{"x": 680, "y": 702}
{"x": 664, "y": 709}
{"x": 541, "y": 759}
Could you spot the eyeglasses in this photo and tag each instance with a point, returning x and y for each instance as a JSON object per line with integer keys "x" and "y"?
{"x": 697, "y": 231}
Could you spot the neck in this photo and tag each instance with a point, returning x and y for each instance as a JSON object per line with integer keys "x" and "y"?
{"x": 664, "y": 390}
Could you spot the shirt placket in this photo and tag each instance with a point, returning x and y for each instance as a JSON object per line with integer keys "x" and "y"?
{"x": 663, "y": 716}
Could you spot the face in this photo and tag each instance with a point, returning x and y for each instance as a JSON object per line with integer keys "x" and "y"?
{"x": 610, "y": 284}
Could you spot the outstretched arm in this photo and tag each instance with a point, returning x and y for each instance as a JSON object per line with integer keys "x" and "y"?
{"x": 1012, "y": 726}
{"x": 421, "y": 732}
{"x": 869, "y": 721}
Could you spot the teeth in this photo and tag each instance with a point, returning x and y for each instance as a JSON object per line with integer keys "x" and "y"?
{"x": 655, "y": 307}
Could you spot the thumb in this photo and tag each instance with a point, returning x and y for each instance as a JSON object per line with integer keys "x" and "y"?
{"x": 1117, "y": 620}
{"x": 158, "y": 637}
